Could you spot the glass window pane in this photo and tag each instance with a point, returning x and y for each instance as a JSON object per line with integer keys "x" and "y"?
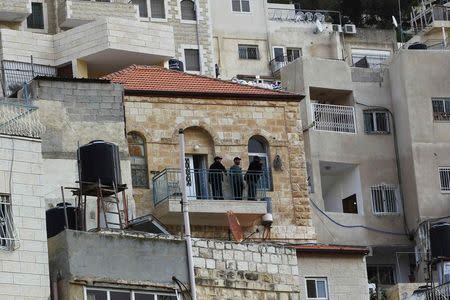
{"x": 188, "y": 10}
{"x": 158, "y": 9}
{"x": 245, "y": 6}
{"x": 369, "y": 122}
{"x": 447, "y": 106}
{"x": 96, "y": 295}
{"x": 120, "y": 296}
{"x": 279, "y": 54}
{"x": 138, "y": 296}
{"x": 321, "y": 289}
{"x": 36, "y": 19}
{"x": 252, "y": 53}
{"x": 256, "y": 146}
{"x": 236, "y": 4}
{"x": 381, "y": 118}
{"x": 311, "y": 289}
{"x": 438, "y": 106}
{"x": 143, "y": 13}
{"x": 192, "y": 59}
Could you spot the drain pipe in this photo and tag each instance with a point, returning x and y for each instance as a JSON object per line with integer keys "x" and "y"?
{"x": 185, "y": 208}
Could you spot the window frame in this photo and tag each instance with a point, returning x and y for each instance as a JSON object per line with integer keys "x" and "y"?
{"x": 147, "y": 18}
{"x": 264, "y": 156}
{"x": 199, "y": 60}
{"x": 394, "y": 272}
{"x": 247, "y": 46}
{"x": 315, "y": 279}
{"x": 240, "y": 11}
{"x": 145, "y": 165}
{"x": 374, "y": 123}
{"x": 188, "y": 21}
{"x": 10, "y": 238}
{"x": 446, "y": 111}
{"x": 44, "y": 16}
{"x": 384, "y": 188}
{"x": 131, "y": 292}
{"x": 446, "y": 169}
{"x": 155, "y": 19}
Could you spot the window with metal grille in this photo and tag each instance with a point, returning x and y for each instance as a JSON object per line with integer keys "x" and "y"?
{"x": 369, "y": 58}
{"x": 188, "y": 10}
{"x": 293, "y": 53}
{"x": 112, "y": 294}
{"x": 441, "y": 109}
{"x": 8, "y": 236}
{"x": 240, "y": 5}
{"x": 36, "y": 19}
{"x": 158, "y": 9}
{"x": 142, "y": 4}
{"x": 192, "y": 59}
{"x": 316, "y": 288}
{"x": 248, "y": 52}
{"x": 444, "y": 176}
{"x": 384, "y": 199}
{"x": 138, "y": 157}
{"x": 376, "y": 121}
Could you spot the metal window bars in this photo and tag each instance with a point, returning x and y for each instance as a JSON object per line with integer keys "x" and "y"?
{"x": 444, "y": 176}
{"x": 19, "y": 120}
{"x": 8, "y": 236}
{"x": 204, "y": 184}
{"x": 334, "y": 118}
{"x": 384, "y": 199}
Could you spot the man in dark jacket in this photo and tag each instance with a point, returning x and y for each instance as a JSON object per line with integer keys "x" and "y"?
{"x": 236, "y": 179}
{"x": 252, "y": 177}
{"x": 216, "y": 171}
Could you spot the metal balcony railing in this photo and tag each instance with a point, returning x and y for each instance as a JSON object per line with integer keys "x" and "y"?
{"x": 335, "y": 118}
{"x": 279, "y": 62}
{"x": 424, "y": 15}
{"x": 203, "y": 184}
{"x": 441, "y": 292}
{"x": 20, "y": 120}
{"x": 304, "y": 16}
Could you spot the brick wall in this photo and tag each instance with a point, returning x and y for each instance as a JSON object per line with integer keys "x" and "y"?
{"x": 225, "y": 270}
{"x": 24, "y": 271}
{"x": 229, "y": 124}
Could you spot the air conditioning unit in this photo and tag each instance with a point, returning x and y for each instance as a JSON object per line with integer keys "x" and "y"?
{"x": 350, "y": 28}
{"x": 337, "y": 28}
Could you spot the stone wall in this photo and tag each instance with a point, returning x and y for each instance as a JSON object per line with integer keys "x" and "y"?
{"x": 226, "y": 270}
{"x": 24, "y": 271}
{"x": 230, "y": 123}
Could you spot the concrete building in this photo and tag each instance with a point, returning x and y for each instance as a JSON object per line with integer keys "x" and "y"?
{"x": 24, "y": 270}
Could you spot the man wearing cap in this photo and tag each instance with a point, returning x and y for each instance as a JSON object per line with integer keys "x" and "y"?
{"x": 253, "y": 175}
{"x": 236, "y": 178}
{"x": 216, "y": 171}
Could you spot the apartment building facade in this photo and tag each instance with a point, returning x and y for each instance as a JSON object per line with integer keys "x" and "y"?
{"x": 23, "y": 241}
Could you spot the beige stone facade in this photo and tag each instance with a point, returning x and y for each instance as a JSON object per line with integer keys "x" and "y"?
{"x": 223, "y": 127}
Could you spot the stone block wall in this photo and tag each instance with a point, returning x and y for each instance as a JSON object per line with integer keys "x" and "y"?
{"x": 24, "y": 271}
{"x": 226, "y": 270}
{"x": 229, "y": 124}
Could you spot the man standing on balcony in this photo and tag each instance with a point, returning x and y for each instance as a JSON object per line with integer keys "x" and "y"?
{"x": 216, "y": 171}
{"x": 237, "y": 180}
{"x": 254, "y": 173}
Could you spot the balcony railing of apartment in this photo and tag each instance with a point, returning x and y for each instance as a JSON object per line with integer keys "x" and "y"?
{"x": 279, "y": 62}
{"x": 441, "y": 292}
{"x": 334, "y": 118}
{"x": 202, "y": 184}
{"x": 19, "y": 120}
{"x": 304, "y": 16}
{"x": 434, "y": 44}
{"x": 424, "y": 15}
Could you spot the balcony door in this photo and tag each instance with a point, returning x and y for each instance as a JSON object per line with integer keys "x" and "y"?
{"x": 196, "y": 176}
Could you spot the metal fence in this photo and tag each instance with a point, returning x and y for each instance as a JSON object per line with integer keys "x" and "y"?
{"x": 279, "y": 62}
{"x": 441, "y": 292}
{"x": 336, "y": 118}
{"x": 19, "y": 119}
{"x": 304, "y": 16}
{"x": 203, "y": 184}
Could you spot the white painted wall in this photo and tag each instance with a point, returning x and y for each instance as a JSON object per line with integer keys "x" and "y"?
{"x": 24, "y": 271}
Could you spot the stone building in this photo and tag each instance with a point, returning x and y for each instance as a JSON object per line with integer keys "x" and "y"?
{"x": 220, "y": 119}
{"x": 24, "y": 270}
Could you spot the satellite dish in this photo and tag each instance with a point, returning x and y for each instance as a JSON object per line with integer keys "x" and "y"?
{"x": 319, "y": 27}
{"x": 235, "y": 227}
{"x": 394, "y": 21}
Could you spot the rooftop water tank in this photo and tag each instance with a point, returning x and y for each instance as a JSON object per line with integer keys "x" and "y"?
{"x": 439, "y": 240}
{"x": 56, "y": 220}
{"x": 99, "y": 160}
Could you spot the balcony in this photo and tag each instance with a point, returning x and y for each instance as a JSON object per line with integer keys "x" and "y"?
{"x": 19, "y": 120}
{"x": 77, "y": 12}
{"x": 333, "y": 118}
{"x": 14, "y": 10}
{"x": 429, "y": 16}
{"x": 293, "y": 15}
{"x": 211, "y": 195}
{"x": 279, "y": 62}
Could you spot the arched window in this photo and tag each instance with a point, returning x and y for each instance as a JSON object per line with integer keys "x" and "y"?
{"x": 138, "y": 157}
{"x": 188, "y": 10}
{"x": 258, "y": 146}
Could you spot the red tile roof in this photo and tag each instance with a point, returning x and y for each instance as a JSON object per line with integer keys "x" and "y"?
{"x": 153, "y": 80}
{"x": 315, "y": 248}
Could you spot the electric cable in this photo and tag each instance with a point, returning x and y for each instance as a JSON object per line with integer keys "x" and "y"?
{"x": 178, "y": 282}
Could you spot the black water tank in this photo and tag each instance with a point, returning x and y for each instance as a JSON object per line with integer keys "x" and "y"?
{"x": 440, "y": 240}
{"x": 56, "y": 221}
{"x": 418, "y": 46}
{"x": 100, "y": 160}
{"x": 175, "y": 64}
